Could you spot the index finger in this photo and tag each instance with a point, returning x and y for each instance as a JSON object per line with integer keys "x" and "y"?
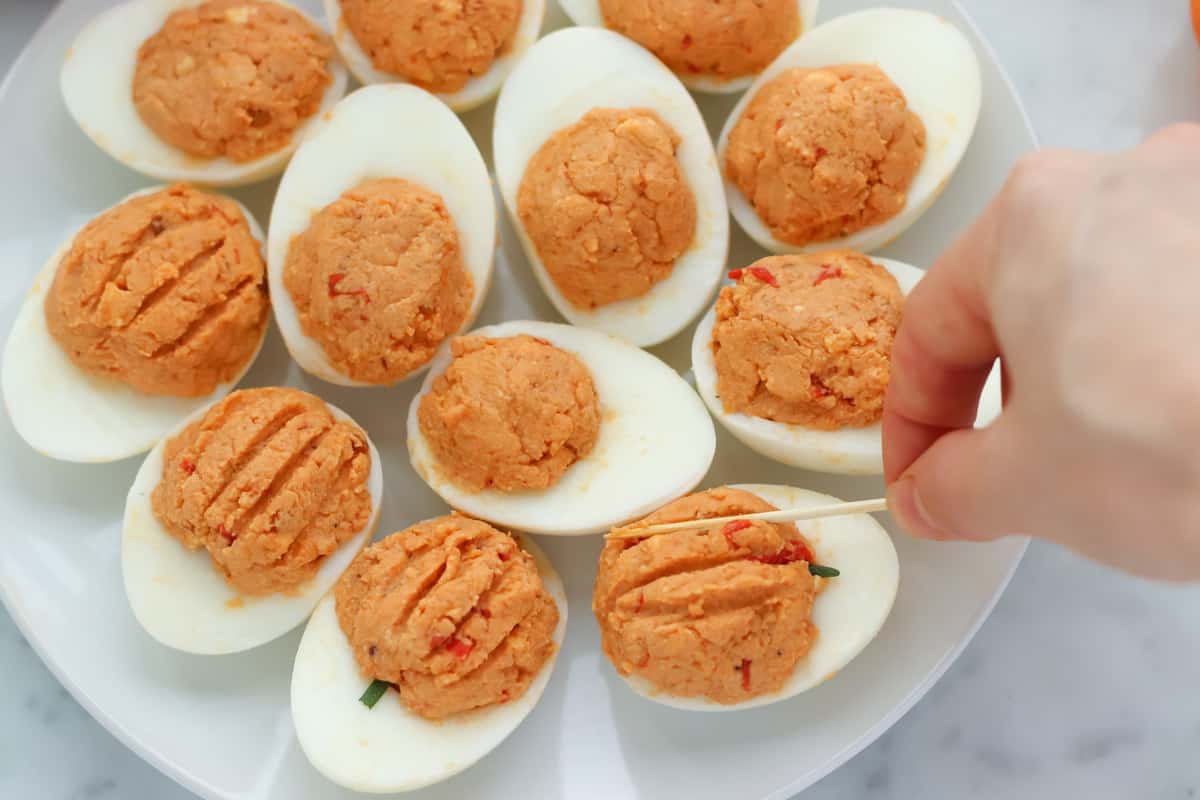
{"x": 944, "y": 350}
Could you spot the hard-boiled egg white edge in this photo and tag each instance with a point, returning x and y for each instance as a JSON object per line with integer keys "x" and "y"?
{"x": 849, "y": 451}
{"x": 933, "y": 64}
{"x": 389, "y": 748}
{"x": 562, "y": 77}
{"x": 70, "y": 415}
{"x": 392, "y": 131}
{"x": 587, "y": 13}
{"x": 477, "y": 91}
{"x": 655, "y": 442}
{"x": 184, "y": 603}
{"x": 97, "y": 85}
{"x": 850, "y": 610}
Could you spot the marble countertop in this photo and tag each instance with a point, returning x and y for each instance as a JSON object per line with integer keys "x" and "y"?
{"x": 1083, "y": 683}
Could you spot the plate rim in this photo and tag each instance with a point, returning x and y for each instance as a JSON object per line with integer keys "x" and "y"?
{"x": 197, "y": 785}
{"x": 900, "y": 709}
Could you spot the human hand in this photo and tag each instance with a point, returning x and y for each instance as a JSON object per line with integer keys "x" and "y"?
{"x": 1083, "y": 276}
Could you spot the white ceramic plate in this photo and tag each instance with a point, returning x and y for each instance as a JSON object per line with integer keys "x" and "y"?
{"x": 220, "y": 725}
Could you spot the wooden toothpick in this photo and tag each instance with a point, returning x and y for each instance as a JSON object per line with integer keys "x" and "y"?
{"x": 784, "y": 515}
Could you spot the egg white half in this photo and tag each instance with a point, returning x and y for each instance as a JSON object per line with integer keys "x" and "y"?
{"x": 184, "y": 603}
{"x": 587, "y": 13}
{"x": 562, "y": 77}
{"x": 389, "y": 748}
{"x": 935, "y": 66}
{"x": 384, "y": 131}
{"x": 655, "y": 442}
{"x": 70, "y": 415}
{"x": 97, "y": 85}
{"x": 848, "y": 451}
{"x": 850, "y": 610}
{"x": 478, "y": 90}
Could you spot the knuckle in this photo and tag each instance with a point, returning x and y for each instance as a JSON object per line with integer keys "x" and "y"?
{"x": 1030, "y": 185}
{"x": 1035, "y": 162}
{"x": 1034, "y": 174}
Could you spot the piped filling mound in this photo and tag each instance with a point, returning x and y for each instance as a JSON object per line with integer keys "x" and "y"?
{"x": 231, "y": 78}
{"x": 435, "y": 44}
{"x": 165, "y": 292}
{"x": 607, "y": 206}
{"x": 451, "y": 612}
{"x": 511, "y": 414}
{"x": 722, "y": 612}
{"x": 807, "y": 339}
{"x": 824, "y": 153}
{"x": 269, "y": 483}
{"x": 721, "y": 40}
{"x": 378, "y": 279}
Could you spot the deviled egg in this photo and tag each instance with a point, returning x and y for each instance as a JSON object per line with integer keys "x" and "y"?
{"x": 462, "y": 52}
{"x": 852, "y": 132}
{"x": 382, "y": 238}
{"x": 239, "y": 522}
{"x": 452, "y": 627}
{"x": 556, "y": 429}
{"x": 795, "y": 358}
{"x": 609, "y": 176}
{"x": 770, "y": 611}
{"x": 215, "y": 92}
{"x": 154, "y": 309}
{"x": 712, "y": 47}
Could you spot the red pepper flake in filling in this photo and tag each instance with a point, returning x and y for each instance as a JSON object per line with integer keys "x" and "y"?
{"x": 460, "y": 648}
{"x": 801, "y": 552}
{"x": 819, "y": 391}
{"x": 779, "y": 123}
{"x": 225, "y": 533}
{"x": 504, "y": 555}
{"x": 733, "y": 527}
{"x": 827, "y": 272}
{"x": 187, "y": 466}
{"x": 736, "y": 274}
{"x": 764, "y": 275}
{"x": 821, "y": 152}
{"x": 793, "y": 551}
{"x": 437, "y": 641}
{"x": 687, "y": 41}
{"x": 640, "y": 603}
{"x": 221, "y": 213}
{"x": 483, "y": 612}
{"x": 337, "y": 278}
{"x": 745, "y": 674}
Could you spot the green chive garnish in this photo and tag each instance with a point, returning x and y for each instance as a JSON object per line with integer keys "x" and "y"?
{"x": 822, "y": 571}
{"x": 375, "y": 691}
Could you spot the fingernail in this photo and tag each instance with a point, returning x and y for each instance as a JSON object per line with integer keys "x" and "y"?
{"x": 904, "y": 501}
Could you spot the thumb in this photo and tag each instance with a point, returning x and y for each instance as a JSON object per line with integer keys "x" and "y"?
{"x": 969, "y": 485}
